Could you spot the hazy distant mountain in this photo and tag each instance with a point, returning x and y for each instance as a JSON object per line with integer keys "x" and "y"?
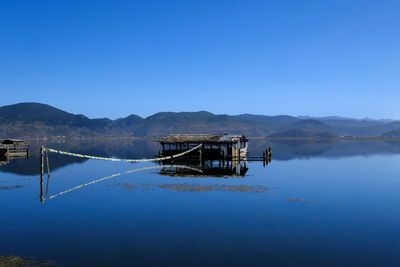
{"x": 338, "y": 118}
{"x": 327, "y": 118}
{"x": 357, "y": 127}
{"x": 393, "y": 133}
{"x": 40, "y": 120}
{"x": 268, "y": 119}
{"x": 312, "y": 125}
{"x": 302, "y": 133}
{"x": 306, "y": 128}
{"x": 368, "y": 128}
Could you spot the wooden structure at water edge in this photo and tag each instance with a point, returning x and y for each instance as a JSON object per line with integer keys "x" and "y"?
{"x": 213, "y": 145}
{"x": 12, "y": 148}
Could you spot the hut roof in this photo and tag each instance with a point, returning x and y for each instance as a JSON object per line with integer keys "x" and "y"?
{"x": 198, "y": 138}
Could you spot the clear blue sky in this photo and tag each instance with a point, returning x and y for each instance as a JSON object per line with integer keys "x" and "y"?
{"x": 115, "y": 58}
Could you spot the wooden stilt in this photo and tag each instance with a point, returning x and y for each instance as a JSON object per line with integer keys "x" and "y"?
{"x": 47, "y": 163}
{"x": 48, "y": 172}
{"x": 41, "y": 172}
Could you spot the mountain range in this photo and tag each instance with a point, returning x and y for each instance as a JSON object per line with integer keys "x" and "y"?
{"x": 32, "y": 120}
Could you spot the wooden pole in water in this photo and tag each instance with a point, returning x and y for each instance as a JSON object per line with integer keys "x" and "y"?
{"x": 41, "y": 172}
{"x": 238, "y": 149}
{"x": 201, "y": 155}
{"x": 47, "y": 163}
{"x": 48, "y": 172}
{"x": 264, "y": 159}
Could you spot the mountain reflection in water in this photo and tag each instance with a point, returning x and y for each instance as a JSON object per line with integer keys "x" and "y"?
{"x": 282, "y": 150}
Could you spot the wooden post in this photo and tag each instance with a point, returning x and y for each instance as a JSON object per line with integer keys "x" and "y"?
{"x": 238, "y": 150}
{"x": 41, "y": 161}
{"x": 201, "y": 152}
{"x": 48, "y": 172}
{"x": 41, "y": 172}
{"x": 264, "y": 159}
{"x": 47, "y": 163}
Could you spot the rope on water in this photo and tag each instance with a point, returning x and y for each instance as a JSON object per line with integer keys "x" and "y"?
{"x": 115, "y": 175}
{"x": 121, "y": 160}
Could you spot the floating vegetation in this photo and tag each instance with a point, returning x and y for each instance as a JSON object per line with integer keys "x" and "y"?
{"x": 17, "y": 261}
{"x": 148, "y": 187}
{"x": 10, "y": 188}
{"x": 205, "y": 188}
{"x": 129, "y": 186}
{"x": 185, "y": 187}
{"x": 200, "y": 187}
{"x": 297, "y": 200}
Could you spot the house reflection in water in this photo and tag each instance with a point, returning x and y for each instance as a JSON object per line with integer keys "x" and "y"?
{"x": 208, "y": 168}
{"x": 4, "y": 161}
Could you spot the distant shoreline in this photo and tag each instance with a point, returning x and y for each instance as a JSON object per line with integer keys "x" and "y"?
{"x": 327, "y": 138}
{"x": 153, "y": 139}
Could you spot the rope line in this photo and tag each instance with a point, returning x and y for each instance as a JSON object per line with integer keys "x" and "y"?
{"x": 115, "y": 175}
{"x": 121, "y": 160}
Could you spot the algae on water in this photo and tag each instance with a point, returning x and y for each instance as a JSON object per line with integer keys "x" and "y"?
{"x": 17, "y": 261}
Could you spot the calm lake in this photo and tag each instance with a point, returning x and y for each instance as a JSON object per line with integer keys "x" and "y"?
{"x": 321, "y": 203}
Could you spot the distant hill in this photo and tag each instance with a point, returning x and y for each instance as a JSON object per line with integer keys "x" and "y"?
{"x": 129, "y": 122}
{"x": 327, "y": 118}
{"x": 268, "y": 119}
{"x": 38, "y": 120}
{"x": 306, "y": 128}
{"x": 164, "y": 123}
{"x": 30, "y": 120}
{"x": 313, "y": 125}
{"x": 35, "y": 112}
{"x": 302, "y": 133}
{"x": 358, "y": 127}
{"x": 392, "y": 134}
{"x": 338, "y": 118}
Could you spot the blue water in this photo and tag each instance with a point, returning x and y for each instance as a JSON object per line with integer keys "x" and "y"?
{"x": 315, "y": 204}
